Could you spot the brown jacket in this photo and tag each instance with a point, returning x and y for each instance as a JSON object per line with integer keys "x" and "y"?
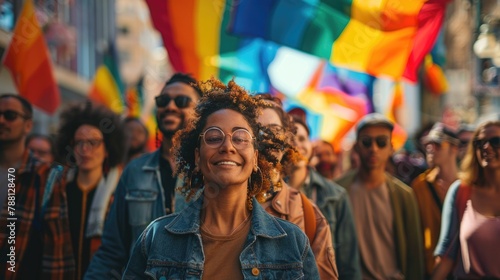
{"x": 287, "y": 204}
{"x": 430, "y": 214}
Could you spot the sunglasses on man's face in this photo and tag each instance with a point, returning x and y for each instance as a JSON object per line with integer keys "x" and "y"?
{"x": 180, "y": 101}
{"x": 493, "y": 141}
{"x": 10, "y": 115}
{"x": 367, "y": 141}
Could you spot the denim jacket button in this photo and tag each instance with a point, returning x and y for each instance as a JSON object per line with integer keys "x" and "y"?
{"x": 255, "y": 271}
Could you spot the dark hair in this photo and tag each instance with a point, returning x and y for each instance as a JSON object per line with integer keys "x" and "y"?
{"x": 185, "y": 79}
{"x": 28, "y": 109}
{"x": 329, "y": 144}
{"x": 137, "y": 120}
{"x": 98, "y": 116}
{"x": 47, "y": 138}
{"x": 217, "y": 96}
{"x": 298, "y": 120}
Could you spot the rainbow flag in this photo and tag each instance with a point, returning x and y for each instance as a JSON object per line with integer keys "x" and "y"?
{"x": 299, "y": 49}
{"x": 135, "y": 100}
{"x": 29, "y": 62}
{"x": 107, "y": 87}
{"x": 380, "y": 38}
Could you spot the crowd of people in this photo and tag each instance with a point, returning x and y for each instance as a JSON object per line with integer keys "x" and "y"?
{"x": 237, "y": 189}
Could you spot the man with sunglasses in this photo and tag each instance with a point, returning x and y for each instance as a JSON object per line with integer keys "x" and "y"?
{"x": 441, "y": 148}
{"x": 40, "y": 216}
{"x": 385, "y": 209}
{"x": 15, "y": 124}
{"x": 146, "y": 189}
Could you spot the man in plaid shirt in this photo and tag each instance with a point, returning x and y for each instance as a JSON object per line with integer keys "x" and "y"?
{"x": 35, "y": 241}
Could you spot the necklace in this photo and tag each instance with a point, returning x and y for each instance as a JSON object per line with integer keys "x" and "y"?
{"x": 205, "y": 228}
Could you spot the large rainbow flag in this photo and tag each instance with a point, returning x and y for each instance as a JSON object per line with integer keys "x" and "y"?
{"x": 334, "y": 49}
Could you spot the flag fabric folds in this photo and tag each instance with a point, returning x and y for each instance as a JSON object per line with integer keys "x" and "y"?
{"x": 107, "y": 87}
{"x": 323, "y": 56}
{"x": 384, "y": 37}
{"x": 29, "y": 62}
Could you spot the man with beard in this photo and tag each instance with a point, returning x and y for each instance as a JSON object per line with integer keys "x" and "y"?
{"x": 15, "y": 124}
{"x": 146, "y": 189}
{"x": 39, "y": 215}
{"x": 137, "y": 138}
{"x": 327, "y": 160}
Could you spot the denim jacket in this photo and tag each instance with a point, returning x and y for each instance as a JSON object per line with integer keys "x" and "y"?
{"x": 334, "y": 204}
{"x": 171, "y": 248}
{"x": 138, "y": 200}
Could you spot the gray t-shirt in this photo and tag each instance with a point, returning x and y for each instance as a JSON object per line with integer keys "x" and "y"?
{"x": 374, "y": 221}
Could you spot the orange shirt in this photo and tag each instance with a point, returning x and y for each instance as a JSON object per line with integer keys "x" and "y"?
{"x": 430, "y": 215}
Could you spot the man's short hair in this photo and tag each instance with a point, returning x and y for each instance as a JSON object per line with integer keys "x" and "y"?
{"x": 28, "y": 109}
{"x": 185, "y": 79}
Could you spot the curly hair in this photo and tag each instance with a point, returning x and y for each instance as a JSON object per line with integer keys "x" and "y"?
{"x": 98, "y": 116}
{"x": 217, "y": 96}
{"x": 472, "y": 173}
{"x": 279, "y": 141}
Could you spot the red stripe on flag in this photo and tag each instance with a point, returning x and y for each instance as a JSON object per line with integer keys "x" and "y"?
{"x": 29, "y": 62}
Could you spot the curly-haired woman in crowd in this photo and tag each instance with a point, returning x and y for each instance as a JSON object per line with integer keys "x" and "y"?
{"x": 224, "y": 233}
{"x": 470, "y": 228}
{"x": 91, "y": 142}
{"x": 284, "y": 201}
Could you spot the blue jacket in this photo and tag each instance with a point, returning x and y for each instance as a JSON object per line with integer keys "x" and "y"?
{"x": 171, "y": 248}
{"x": 138, "y": 200}
{"x": 449, "y": 244}
{"x": 334, "y": 203}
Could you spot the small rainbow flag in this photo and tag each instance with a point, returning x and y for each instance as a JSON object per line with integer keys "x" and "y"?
{"x": 107, "y": 87}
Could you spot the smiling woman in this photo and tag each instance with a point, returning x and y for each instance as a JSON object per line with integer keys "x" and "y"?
{"x": 470, "y": 224}
{"x": 229, "y": 235}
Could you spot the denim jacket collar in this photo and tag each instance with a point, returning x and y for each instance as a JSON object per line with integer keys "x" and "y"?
{"x": 153, "y": 162}
{"x": 188, "y": 221}
{"x": 318, "y": 181}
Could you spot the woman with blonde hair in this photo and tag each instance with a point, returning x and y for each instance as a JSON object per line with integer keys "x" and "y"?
{"x": 469, "y": 241}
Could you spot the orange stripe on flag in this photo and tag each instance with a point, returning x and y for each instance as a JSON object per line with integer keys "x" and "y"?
{"x": 29, "y": 62}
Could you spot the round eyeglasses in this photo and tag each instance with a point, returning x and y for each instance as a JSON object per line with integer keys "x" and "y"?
{"x": 240, "y": 138}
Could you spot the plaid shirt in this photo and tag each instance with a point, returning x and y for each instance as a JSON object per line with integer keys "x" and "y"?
{"x": 56, "y": 261}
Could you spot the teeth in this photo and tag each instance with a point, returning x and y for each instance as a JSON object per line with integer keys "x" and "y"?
{"x": 226, "y": 163}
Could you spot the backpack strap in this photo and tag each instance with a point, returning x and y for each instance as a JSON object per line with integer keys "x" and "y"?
{"x": 463, "y": 195}
{"x": 309, "y": 218}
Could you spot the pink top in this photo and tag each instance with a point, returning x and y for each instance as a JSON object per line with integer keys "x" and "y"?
{"x": 479, "y": 244}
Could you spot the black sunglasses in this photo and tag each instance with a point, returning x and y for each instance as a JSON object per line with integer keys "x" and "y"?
{"x": 367, "y": 141}
{"x": 493, "y": 141}
{"x": 180, "y": 101}
{"x": 11, "y": 115}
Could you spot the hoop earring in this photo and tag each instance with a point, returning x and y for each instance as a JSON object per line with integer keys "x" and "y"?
{"x": 254, "y": 188}
{"x": 249, "y": 201}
